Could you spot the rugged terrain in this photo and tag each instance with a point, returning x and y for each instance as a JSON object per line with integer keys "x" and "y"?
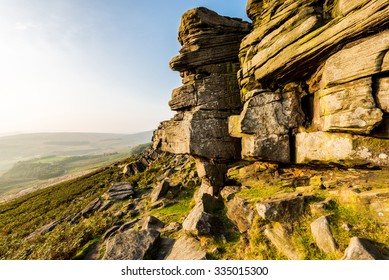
{"x": 278, "y": 150}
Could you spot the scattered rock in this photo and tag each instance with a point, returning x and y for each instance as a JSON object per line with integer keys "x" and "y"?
{"x": 152, "y": 222}
{"x": 160, "y": 203}
{"x": 160, "y": 190}
{"x": 205, "y": 188}
{"x": 131, "y": 245}
{"x": 228, "y": 192}
{"x": 75, "y": 219}
{"x": 322, "y": 235}
{"x": 45, "y": 229}
{"x": 172, "y": 227}
{"x": 198, "y": 222}
{"x": 210, "y": 203}
{"x": 362, "y": 249}
{"x": 135, "y": 167}
{"x": 186, "y": 248}
{"x": 164, "y": 248}
{"x": 320, "y": 207}
{"x": 286, "y": 208}
{"x": 240, "y": 211}
{"x": 111, "y": 231}
{"x": 129, "y": 225}
{"x": 105, "y": 205}
{"x": 120, "y": 191}
{"x": 279, "y": 237}
{"x": 347, "y": 227}
{"x": 91, "y": 207}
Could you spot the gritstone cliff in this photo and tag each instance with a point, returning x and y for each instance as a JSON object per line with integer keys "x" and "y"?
{"x": 306, "y": 83}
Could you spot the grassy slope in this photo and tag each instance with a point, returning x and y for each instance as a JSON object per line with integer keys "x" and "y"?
{"x": 21, "y": 217}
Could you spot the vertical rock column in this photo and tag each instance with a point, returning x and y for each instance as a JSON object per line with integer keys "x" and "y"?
{"x": 208, "y": 63}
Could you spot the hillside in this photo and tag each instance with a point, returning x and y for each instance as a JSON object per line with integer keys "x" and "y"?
{"x": 86, "y": 218}
{"x": 278, "y": 150}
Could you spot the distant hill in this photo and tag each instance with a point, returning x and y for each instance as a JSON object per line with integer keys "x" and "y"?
{"x": 27, "y": 146}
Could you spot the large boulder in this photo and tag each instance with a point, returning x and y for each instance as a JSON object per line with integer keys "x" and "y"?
{"x": 341, "y": 148}
{"x": 285, "y": 208}
{"x": 279, "y": 236}
{"x": 120, "y": 191}
{"x": 186, "y": 248}
{"x": 198, "y": 222}
{"x": 160, "y": 190}
{"x": 322, "y": 235}
{"x": 363, "y": 249}
{"x": 240, "y": 211}
{"x": 131, "y": 245}
{"x": 266, "y": 121}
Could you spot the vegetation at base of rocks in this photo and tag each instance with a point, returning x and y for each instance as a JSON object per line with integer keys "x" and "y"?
{"x": 85, "y": 249}
{"x": 176, "y": 211}
{"x": 260, "y": 181}
{"x": 21, "y": 218}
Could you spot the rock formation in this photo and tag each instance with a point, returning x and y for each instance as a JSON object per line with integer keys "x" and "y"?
{"x": 313, "y": 86}
{"x": 313, "y": 80}
{"x": 208, "y": 62}
{"x": 306, "y": 83}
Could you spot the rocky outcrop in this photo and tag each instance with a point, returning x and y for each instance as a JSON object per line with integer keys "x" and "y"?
{"x": 307, "y": 67}
{"x": 306, "y": 83}
{"x": 208, "y": 62}
{"x": 304, "y": 66}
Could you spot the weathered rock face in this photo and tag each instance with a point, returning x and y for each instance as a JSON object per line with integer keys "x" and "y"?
{"x": 306, "y": 83}
{"x": 304, "y": 65}
{"x": 342, "y": 148}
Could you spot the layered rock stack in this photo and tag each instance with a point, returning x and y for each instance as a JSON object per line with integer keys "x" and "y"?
{"x": 314, "y": 80}
{"x": 208, "y": 62}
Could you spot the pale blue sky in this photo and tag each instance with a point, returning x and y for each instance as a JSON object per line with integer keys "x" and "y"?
{"x": 91, "y": 65}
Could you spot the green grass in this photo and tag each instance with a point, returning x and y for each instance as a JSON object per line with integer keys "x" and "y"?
{"x": 175, "y": 212}
{"x": 85, "y": 249}
{"x": 21, "y": 217}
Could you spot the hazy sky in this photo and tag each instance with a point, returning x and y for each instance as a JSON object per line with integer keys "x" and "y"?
{"x": 91, "y": 65}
